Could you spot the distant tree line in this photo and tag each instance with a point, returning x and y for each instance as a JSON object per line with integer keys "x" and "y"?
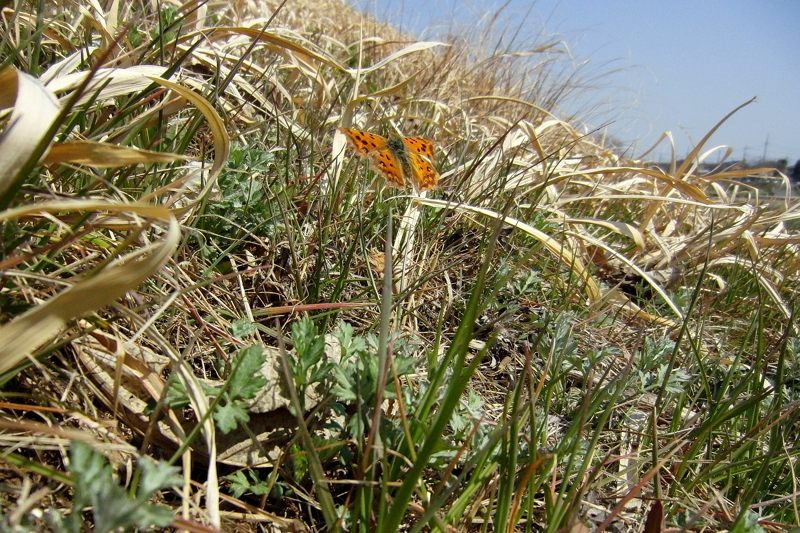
{"x": 796, "y": 172}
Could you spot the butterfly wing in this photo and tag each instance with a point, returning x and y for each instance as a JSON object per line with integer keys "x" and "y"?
{"x": 376, "y": 147}
{"x": 421, "y": 159}
{"x": 386, "y": 162}
{"x": 418, "y": 145}
{"x": 363, "y": 142}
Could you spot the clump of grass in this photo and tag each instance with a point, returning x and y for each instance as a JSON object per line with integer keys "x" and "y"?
{"x": 195, "y": 270}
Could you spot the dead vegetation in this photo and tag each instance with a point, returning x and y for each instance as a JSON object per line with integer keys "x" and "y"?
{"x": 570, "y": 338}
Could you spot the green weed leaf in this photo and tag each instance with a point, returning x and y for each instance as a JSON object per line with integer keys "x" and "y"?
{"x": 241, "y": 483}
{"x": 229, "y": 416}
{"x": 112, "y": 507}
{"x": 246, "y": 381}
{"x": 242, "y": 328}
{"x": 309, "y": 344}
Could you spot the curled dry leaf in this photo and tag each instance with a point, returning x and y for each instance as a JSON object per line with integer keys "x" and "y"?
{"x": 105, "y": 155}
{"x": 35, "y": 110}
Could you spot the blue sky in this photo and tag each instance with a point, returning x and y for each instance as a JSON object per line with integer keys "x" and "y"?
{"x": 678, "y": 65}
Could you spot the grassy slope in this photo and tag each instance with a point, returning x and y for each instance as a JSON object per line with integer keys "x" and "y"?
{"x": 568, "y": 337}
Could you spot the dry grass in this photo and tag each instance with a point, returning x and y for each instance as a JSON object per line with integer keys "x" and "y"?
{"x": 182, "y": 195}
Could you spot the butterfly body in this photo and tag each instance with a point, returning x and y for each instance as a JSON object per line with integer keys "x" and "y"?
{"x": 400, "y": 160}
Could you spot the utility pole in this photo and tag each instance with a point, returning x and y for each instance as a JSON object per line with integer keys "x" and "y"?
{"x": 766, "y": 144}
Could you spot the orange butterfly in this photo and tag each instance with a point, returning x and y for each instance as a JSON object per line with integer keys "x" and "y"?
{"x": 397, "y": 158}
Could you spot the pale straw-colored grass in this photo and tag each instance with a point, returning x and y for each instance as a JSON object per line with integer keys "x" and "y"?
{"x": 117, "y": 216}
